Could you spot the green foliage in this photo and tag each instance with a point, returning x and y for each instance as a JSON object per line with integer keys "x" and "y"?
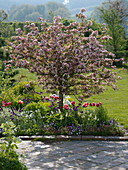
{"x": 4, "y": 54}
{"x": 2, "y": 41}
{"x": 9, "y": 159}
{"x": 9, "y": 145}
{"x": 7, "y": 79}
{"x": 101, "y": 115}
{"x": 122, "y": 54}
{"x": 24, "y": 88}
{"x": 113, "y": 14}
{"x": 8, "y": 163}
{"x": 66, "y": 22}
{"x": 3, "y": 15}
{"x": 37, "y": 107}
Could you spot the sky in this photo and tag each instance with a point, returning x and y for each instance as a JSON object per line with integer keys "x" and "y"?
{"x": 66, "y": 2}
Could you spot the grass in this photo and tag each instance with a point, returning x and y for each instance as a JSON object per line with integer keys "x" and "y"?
{"x": 115, "y": 101}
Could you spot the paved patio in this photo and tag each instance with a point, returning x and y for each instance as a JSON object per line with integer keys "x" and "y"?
{"x": 75, "y": 155}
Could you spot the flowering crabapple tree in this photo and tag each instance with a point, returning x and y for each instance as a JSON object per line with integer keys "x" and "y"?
{"x": 64, "y": 59}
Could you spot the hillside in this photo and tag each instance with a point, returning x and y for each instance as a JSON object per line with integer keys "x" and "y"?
{"x": 73, "y": 5}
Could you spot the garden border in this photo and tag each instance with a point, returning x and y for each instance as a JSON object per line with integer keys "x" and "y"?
{"x": 78, "y": 138}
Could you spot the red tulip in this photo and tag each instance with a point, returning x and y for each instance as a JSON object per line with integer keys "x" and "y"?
{"x": 51, "y": 96}
{"x": 92, "y": 104}
{"x": 9, "y": 103}
{"x": 46, "y": 98}
{"x": 73, "y": 103}
{"x": 56, "y": 97}
{"x": 4, "y": 105}
{"x": 85, "y": 105}
{"x": 20, "y": 102}
{"x": 66, "y": 106}
{"x": 3, "y": 102}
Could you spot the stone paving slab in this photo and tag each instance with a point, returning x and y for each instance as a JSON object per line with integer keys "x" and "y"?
{"x": 75, "y": 155}
{"x": 84, "y": 138}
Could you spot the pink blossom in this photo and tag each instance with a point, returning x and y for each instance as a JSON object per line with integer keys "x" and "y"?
{"x": 64, "y": 58}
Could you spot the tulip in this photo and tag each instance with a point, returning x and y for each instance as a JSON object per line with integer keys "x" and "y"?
{"x": 85, "y": 105}
{"x": 66, "y": 106}
{"x": 20, "y": 102}
{"x": 56, "y": 97}
{"x": 4, "y": 105}
{"x": 73, "y": 103}
{"x": 46, "y": 98}
{"x": 9, "y": 103}
{"x": 3, "y": 102}
{"x": 51, "y": 96}
{"x": 92, "y": 104}
{"x": 100, "y": 103}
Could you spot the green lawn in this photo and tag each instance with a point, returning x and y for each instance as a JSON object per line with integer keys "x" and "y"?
{"x": 115, "y": 101}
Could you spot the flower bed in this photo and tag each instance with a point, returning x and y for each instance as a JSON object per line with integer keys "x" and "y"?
{"x": 40, "y": 115}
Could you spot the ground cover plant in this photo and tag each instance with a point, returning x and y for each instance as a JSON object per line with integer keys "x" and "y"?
{"x": 68, "y": 61}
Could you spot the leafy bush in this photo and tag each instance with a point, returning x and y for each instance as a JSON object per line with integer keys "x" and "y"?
{"x": 101, "y": 116}
{"x": 24, "y": 88}
{"x": 8, "y": 163}
{"x": 9, "y": 159}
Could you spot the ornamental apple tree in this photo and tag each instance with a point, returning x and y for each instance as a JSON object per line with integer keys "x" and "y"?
{"x": 63, "y": 58}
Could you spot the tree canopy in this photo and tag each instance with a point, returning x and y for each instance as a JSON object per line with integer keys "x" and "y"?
{"x": 114, "y": 14}
{"x": 3, "y": 15}
{"x": 64, "y": 59}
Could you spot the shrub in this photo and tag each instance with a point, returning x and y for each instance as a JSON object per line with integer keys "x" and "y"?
{"x": 9, "y": 159}
{"x": 9, "y": 163}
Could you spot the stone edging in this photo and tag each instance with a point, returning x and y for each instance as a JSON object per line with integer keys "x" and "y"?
{"x": 79, "y": 138}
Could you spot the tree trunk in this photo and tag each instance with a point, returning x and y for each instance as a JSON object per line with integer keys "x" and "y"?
{"x": 60, "y": 100}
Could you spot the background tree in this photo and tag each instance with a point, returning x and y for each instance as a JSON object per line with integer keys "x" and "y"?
{"x": 65, "y": 61}
{"x": 3, "y": 15}
{"x": 18, "y": 13}
{"x": 33, "y": 16}
{"x": 41, "y": 10}
{"x": 55, "y": 8}
{"x": 62, "y": 13}
{"x": 114, "y": 14}
{"x": 31, "y": 12}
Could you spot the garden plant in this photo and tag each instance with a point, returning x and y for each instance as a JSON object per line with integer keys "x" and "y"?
{"x": 9, "y": 159}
